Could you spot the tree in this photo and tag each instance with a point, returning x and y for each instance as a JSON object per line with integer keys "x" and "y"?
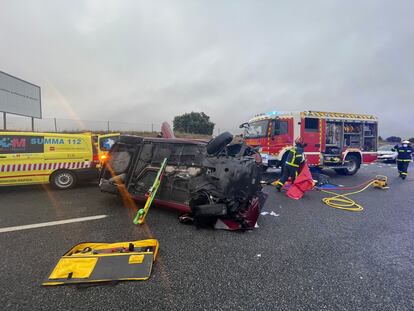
{"x": 194, "y": 122}
{"x": 393, "y": 139}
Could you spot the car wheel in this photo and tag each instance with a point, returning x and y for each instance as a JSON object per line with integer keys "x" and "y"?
{"x": 217, "y": 144}
{"x": 63, "y": 180}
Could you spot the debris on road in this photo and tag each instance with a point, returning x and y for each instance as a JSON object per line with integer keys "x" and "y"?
{"x": 272, "y": 213}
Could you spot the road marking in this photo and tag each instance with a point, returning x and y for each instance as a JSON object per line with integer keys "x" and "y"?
{"x": 51, "y": 223}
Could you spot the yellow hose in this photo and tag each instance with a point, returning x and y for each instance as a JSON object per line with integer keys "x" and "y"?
{"x": 343, "y": 202}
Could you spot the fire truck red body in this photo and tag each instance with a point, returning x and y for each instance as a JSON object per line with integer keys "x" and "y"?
{"x": 341, "y": 141}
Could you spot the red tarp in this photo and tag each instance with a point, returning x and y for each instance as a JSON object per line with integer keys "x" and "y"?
{"x": 303, "y": 183}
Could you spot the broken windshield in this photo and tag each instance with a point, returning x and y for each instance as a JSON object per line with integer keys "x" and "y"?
{"x": 256, "y": 129}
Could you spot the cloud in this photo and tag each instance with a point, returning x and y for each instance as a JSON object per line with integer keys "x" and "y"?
{"x": 143, "y": 62}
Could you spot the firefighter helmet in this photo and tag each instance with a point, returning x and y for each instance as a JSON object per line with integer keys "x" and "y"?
{"x": 299, "y": 141}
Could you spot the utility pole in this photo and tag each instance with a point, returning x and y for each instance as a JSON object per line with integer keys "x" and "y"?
{"x": 4, "y": 121}
{"x": 108, "y": 126}
{"x": 54, "y": 121}
{"x": 152, "y": 127}
{"x": 33, "y": 124}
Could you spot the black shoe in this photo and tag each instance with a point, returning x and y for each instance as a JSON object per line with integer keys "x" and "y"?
{"x": 278, "y": 188}
{"x": 186, "y": 219}
{"x": 403, "y": 177}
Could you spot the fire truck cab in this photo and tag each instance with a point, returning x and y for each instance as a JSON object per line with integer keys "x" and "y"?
{"x": 341, "y": 141}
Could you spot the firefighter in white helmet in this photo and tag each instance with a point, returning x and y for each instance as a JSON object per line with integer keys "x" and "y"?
{"x": 404, "y": 157}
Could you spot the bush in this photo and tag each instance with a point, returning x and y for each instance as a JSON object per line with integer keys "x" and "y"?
{"x": 394, "y": 139}
{"x": 194, "y": 122}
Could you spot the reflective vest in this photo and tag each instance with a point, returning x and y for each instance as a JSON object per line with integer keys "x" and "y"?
{"x": 404, "y": 153}
{"x": 295, "y": 157}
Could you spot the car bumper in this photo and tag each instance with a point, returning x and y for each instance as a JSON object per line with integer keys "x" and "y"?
{"x": 386, "y": 158}
{"x": 268, "y": 159}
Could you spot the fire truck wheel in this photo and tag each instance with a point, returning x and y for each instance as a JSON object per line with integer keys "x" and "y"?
{"x": 217, "y": 144}
{"x": 353, "y": 166}
{"x": 63, "y": 179}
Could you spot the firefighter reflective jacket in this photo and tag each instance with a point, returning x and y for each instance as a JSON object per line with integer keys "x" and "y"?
{"x": 404, "y": 153}
{"x": 295, "y": 156}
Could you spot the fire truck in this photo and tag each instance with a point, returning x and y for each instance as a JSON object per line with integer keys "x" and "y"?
{"x": 342, "y": 141}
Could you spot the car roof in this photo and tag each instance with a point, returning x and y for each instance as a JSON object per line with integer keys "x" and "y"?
{"x": 168, "y": 140}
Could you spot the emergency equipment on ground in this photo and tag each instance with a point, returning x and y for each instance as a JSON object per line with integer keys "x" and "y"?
{"x": 343, "y": 202}
{"x": 341, "y": 141}
{"x": 303, "y": 183}
{"x": 404, "y": 157}
{"x": 91, "y": 262}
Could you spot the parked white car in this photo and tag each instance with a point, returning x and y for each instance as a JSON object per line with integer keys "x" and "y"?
{"x": 385, "y": 154}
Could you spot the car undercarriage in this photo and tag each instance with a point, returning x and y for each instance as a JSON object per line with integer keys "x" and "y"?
{"x": 214, "y": 181}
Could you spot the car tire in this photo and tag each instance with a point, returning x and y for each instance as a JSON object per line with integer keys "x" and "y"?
{"x": 63, "y": 179}
{"x": 217, "y": 144}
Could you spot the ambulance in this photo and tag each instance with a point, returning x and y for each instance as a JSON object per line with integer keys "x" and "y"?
{"x": 341, "y": 141}
{"x": 38, "y": 158}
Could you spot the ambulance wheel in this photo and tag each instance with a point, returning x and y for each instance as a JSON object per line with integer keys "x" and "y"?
{"x": 63, "y": 180}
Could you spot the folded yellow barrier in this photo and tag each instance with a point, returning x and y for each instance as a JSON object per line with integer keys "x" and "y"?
{"x": 104, "y": 262}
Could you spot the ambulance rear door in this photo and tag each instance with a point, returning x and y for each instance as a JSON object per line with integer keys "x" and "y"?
{"x": 105, "y": 142}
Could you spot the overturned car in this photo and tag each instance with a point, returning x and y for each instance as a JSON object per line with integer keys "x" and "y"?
{"x": 213, "y": 183}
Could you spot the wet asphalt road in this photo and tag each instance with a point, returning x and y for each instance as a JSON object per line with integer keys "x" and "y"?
{"x": 306, "y": 257}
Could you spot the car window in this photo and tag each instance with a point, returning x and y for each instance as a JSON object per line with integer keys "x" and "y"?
{"x": 10, "y": 144}
{"x": 161, "y": 151}
{"x": 385, "y": 148}
{"x": 311, "y": 125}
{"x": 256, "y": 129}
{"x": 145, "y": 181}
{"x": 279, "y": 127}
{"x": 106, "y": 143}
{"x": 120, "y": 158}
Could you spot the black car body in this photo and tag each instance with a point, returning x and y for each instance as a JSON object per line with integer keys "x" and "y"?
{"x": 210, "y": 181}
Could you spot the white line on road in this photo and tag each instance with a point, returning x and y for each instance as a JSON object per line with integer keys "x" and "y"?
{"x": 51, "y": 223}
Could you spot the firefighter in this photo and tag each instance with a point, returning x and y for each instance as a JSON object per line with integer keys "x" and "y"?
{"x": 291, "y": 167}
{"x": 404, "y": 157}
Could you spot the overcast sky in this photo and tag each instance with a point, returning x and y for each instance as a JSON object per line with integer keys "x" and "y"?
{"x": 140, "y": 61}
